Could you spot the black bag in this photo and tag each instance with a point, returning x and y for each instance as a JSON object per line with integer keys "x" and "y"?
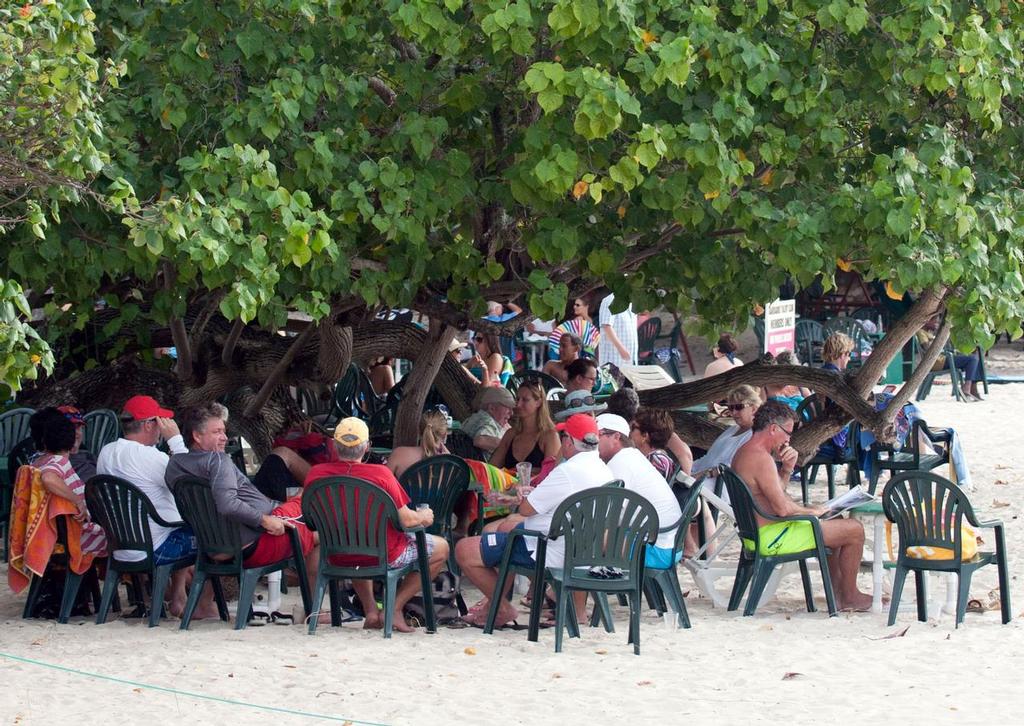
{"x": 445, "y": 592}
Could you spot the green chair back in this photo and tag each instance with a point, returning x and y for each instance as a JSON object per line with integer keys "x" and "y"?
{"x": 743, "y": 506}
{"x": 351, "y": 516}
{"x": 461, "y": 445}
{"x": 604, "y": 527}
{"x": 547, "y": 382}
{"x": 437, "y": 481}
{"x": 218, "y": 540}
{"x": 810, "y": 335}
{"x": 928, "y": 511}
{"x": 13, "y": 428}
{"x": 647, "y": 333}
{"x": 101, "y": 427}
{"x": 123, "y": 511}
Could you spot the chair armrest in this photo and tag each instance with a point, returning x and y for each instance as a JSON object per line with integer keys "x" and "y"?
{"x": 985, "y": 524}
{"x": 942, "y": 436}
{"x": 163, "y": 523}
{"x": 413, "y": 530}
{"x": 519, "y": 532}
{"x": 475, "y": 487}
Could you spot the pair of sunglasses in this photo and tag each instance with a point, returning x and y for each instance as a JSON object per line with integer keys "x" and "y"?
{"x": 581, "y": 402}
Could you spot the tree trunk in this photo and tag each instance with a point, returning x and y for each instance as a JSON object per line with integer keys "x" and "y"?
{"x": 418, "y": 382}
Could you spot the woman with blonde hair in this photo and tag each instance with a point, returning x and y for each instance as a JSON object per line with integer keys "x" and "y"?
{"x": 433, "y": 435}
{"x": 742, "y": 403}
{"x": 532, "y": 436}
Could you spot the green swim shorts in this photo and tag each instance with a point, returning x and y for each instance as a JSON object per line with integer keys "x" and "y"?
{"x": 784, "y": 538}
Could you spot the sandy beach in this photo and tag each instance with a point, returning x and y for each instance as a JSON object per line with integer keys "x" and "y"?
{"x": 782, "y": 664}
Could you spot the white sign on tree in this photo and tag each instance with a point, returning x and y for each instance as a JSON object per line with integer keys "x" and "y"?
{"x": 780, "y": 326}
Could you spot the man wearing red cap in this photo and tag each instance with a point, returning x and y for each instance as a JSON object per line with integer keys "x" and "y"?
{"x": 135, "y": 458}
{"x": 582, "y": 469}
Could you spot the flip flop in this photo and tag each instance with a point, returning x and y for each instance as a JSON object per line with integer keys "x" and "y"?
{"x": 974, "y": 606}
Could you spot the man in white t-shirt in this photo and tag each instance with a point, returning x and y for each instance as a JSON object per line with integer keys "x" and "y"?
{"x": 619, "y": 341}
{"x": 479, "y": 557}
{"x": 640, "y": 476}
{"x": 136, "y": 459}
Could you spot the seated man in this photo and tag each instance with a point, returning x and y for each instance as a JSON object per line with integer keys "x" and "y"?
{"x": 263, "y": 521}
{"x": 353, "y": 440}
{"x": 136, "y": 459}
{"x": 639, "y": 475}
{"x": 490, "y": 422}
{"x": 755, "y": 463}
{"x": 569, "y": 347}
{"x": 479, "y": 557}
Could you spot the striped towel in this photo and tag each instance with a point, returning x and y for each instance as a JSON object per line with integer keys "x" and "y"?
{"x": 492, "y": 479}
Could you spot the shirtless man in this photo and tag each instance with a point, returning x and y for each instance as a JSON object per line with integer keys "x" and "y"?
{"x": 755, "y": 463}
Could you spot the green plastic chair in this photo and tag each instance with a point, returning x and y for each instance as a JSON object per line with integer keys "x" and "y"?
{"x": 929, "y": 511}
{"x": 101, "y": 427}
{"x": 647, "y": 334}
{"x": 439, "y": 482}
{"x": 810, "y": 409}
{"x": 664, "y": 583}
{"x": 219, "y": 537}
{"x": 327, "y": 505}
{"x": 124, "y": 512}
{"x": 13, "y": 429}
{"x": 754, "y": 567}
{"x": 602, "y": 527}
{"x": 548, "y": 382}
{"x": 810, "y": 336}
{"x": 909, "y": 458}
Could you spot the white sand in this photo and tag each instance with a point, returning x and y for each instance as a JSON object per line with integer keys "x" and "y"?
{"x": 727, "y": 666}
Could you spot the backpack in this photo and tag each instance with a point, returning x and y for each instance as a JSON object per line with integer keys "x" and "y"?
{"x": 445, "y": 592}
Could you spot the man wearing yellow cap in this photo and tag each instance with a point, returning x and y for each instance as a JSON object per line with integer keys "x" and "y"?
{"x": 353, "y": 440}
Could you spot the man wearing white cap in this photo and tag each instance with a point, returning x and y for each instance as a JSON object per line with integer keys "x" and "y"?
{"x": 490, "y": 422}
{"x": 479, "y": 557}
{"x": 640, "y": 476}
{"x": 353, "y": 441}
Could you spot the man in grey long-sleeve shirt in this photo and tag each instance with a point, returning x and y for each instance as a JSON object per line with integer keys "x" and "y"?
{"x": 263, "y": 521}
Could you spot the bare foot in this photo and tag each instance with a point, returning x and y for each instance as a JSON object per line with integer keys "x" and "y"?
{"x": 859, "y": 603}
{"x": 373, "y": 621}
{"x": 200, "y": 613}
{"x": 400, "y": 625}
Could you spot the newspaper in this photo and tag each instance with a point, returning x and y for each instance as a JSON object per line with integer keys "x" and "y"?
{"x": 847, "y": 500}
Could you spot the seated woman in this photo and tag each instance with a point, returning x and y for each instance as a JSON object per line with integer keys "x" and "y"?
{"x": 969, "y": 366}
{"x": 382, "y": 375}
{"x": 569, "y": 347}
{"x": 742, "y": 403}
{"x": 433, "y": 434}
{"x": 532, "y": 437}
{"x": 54, "y": 437}
{"x": 650, "y": 431}
{"x": 488, "y": 366}
{"x": 725, "y": 359}
{"x": 786, "y": 393}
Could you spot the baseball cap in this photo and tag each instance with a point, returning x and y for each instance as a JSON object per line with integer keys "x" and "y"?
{"x": 142, "y": 407}
{"x": 497, "y": 395}
{"x": 351, "y": 432}
{"x": 72, "y": 414}
{"x": 580, "y": 427}
{"x": 579, "y": 402}
{"x": 613, "y": 422}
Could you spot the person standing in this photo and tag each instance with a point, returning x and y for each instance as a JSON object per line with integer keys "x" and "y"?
{"x": 619, "y": 340}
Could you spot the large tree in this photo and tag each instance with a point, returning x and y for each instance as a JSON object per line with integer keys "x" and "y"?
{"x": 334, "y": 157}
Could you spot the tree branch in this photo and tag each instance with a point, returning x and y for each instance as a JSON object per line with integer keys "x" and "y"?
{"x": 228, "y": 352}
{"x": 274, "y": 379}
{"x": 178, "y": 333}
{"x": 382, "y": 90}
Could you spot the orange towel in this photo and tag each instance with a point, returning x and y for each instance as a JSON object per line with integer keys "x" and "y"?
{"x": 33, "y": 530}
